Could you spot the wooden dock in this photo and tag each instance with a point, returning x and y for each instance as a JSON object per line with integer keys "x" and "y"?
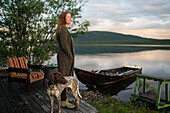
{"x": 16, "y": 100}
{"x": 153, "y": 97}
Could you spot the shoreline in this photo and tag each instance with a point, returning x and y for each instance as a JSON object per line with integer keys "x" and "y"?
{"x": 105, "y": 103}
{"x": 130, "y": 45}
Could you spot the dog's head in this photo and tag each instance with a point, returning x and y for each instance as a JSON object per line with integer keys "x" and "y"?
{"x": 56, "y": 78}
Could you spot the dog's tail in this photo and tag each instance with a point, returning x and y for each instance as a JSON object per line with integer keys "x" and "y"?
{"x": 79, "y": 93}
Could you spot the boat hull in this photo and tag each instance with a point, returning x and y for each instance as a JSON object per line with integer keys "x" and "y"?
{"x": 103, "y": 78}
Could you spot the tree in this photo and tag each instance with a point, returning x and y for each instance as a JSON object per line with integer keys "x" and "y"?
{"x": 27, "y": 27}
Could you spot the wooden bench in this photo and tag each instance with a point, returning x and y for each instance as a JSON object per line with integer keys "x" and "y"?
{"x": 153, "y": 97}
{"x": 3, "y": 71}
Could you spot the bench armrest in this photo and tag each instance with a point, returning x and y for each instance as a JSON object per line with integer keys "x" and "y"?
{"x": 19, "y": 70}
{"x": 36, "y": 66}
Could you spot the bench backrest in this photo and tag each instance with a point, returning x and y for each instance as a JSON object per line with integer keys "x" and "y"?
{"x": 19, "y": 62}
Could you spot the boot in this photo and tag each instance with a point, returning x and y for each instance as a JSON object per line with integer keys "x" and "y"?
{"x": 67, "y": 104}
{"x": 70, "y": 99}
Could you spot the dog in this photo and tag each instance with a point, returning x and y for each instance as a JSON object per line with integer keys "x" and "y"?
{"x": 57, "y": 83}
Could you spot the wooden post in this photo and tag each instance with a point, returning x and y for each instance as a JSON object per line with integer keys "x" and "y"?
{"x": 159, "y": 94}
{"x": 144, "y": 85}
{"x": 159, "y": 102}
{"x": 167, "y": 91}
{"x": 44, "y": 82}
{"x": 137, "y": 85}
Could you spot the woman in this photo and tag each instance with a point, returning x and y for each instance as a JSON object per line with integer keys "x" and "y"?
{"x": 65, "y": 55}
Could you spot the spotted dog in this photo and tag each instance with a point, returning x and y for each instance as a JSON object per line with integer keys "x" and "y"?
{"x": 57, "y": 83}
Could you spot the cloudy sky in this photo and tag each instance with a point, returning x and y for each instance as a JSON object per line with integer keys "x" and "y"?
{"x": 146, "y": 18}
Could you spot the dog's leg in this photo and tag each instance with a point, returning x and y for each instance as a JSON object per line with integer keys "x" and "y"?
{"x": 77, "y": 102}
{"x": 52, "y": 102}
{"x": 75, "y": 94}
{"x": 77, "y": 98}
{"x": 59, "y": 102}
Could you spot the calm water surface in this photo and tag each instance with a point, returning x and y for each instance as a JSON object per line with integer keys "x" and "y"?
{"x": 153, "y": 61}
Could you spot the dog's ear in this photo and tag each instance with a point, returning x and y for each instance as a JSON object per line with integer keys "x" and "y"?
{"x": 51, "y": 79}
{"x": 62, "y": 80}
{"x": 57, "y": 73}
{"x": 56, "y": 77}
{"x": 62, "y": 75}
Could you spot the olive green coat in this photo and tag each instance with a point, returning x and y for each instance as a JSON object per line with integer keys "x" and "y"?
{"x": 65, "y": 55}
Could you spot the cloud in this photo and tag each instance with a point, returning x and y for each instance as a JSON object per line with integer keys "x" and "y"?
{"x": 155, "y": 7}
{"x": 127, "y": 15}
{"x": 147, "y": 33}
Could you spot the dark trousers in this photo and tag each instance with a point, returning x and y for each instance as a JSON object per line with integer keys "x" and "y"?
{"x": 63, "y": 95}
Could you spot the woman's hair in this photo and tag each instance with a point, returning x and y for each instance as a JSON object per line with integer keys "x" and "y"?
{"x": 62, "y": 21}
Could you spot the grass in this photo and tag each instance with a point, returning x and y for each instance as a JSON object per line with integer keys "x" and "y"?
{"x": 110, "y": 105}
{"x": 149, "y": 87}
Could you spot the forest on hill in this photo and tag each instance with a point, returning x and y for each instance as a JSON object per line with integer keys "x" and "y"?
{"x": 104, "y": 37}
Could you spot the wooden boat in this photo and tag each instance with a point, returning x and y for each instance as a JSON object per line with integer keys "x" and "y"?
{"x": 106, "y": 77}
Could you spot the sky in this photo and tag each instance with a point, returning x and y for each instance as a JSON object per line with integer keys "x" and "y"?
{"x": 145, "y": 18}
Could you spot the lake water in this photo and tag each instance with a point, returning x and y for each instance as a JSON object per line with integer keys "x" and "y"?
{"x": 154, "y": 61}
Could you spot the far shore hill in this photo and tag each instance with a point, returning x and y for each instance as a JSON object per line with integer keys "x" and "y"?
{"x": 104, "y": 37}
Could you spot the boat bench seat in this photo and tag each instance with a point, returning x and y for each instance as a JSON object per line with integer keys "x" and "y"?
{"x": 120, "y": 74}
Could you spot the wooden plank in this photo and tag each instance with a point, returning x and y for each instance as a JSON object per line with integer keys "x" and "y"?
{"x": 17, "y": 100}
{"x": 23, "y": 104}
{"x": 3, "y": 68}
{"x": 156, "y": 78}
{"x": 30, "y": 100}
{"x": 89, "y": 108}
{"x": 38, "y": 103}
{"x": 12, "y": 99}
{"x": 3, "y": 71}
{"x": 39, "y": 98}
{"x": 6, "y": 101}
{"x": 85, "y": 107}
{"x": 150, "y": 95}
{"x": 2, "y": 105}
{"x": 31, "y": 104}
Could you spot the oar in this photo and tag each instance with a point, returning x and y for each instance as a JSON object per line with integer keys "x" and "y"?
{"x": 101, "y": 69}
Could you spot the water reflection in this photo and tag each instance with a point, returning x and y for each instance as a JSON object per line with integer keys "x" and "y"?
{"x": 155, "y": 62}
{"x": 112, "y": 48}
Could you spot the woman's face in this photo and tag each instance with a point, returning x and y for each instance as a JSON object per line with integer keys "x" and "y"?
{"x": 68, "y": 19}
